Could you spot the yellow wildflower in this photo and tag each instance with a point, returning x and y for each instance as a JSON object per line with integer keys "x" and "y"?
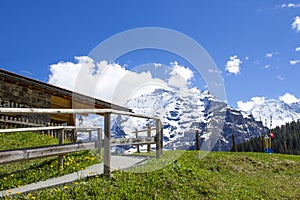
{"x": 18, "y": 193}
{"x": 65, "y": 187}
{"x": 9, "y": 191}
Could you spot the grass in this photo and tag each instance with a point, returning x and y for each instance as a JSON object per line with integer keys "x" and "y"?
{"x": 219, "y": 175}
{"x": 21, "y": 173}
{"x": 177, "y": 175}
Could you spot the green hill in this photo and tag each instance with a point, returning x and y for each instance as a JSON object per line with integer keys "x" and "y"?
{"x": 219, "y": 175}
{"x": 177, "y": 175}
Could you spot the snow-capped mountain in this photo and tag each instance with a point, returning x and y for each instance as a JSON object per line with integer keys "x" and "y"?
{"x": 184, "y": 112}
{"x": 280, "y": 111}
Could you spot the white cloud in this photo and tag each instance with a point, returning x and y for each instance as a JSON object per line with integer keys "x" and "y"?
{"x": 288, "y": 98}
{"x": 290, "y": 5}
{"x": 294, "y": 62}
{"x": 233, "y": 65}
{"x": 247, "y": 58}
{"x": 296, "y": 24}
{"x": 271, "y": 54}
{"x": 180, "y": 76}
{"x": 267, "y": 66}
{"x": 248, "y": 105}
{"x": 157, "y": 64}
{"x": 112, "y": 82}
{"x": 297, "y": 49}
{"x": 63, "y": 74}
{"x": 280, "y": 78}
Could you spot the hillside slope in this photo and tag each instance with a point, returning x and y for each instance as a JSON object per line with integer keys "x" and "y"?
{"x": 220, "y": 175}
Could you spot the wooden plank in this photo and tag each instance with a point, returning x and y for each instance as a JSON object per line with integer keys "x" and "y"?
{"x": 70, "y": 111}
{"x": 132, "y": 141}
{"x": 149, "y": 135}
{"x": 60, "y": 142}
{"x": 107, "y": 140}
{"x": 99, "y": 132}
{"x": 10, "y": 156}
{"x": 144, "y": 130}
{"x": 137, "y": 146}
{"x": 15, "y": 130}
{"x": 158, "y": 138}
{"x": 197, "y": 140}
{"x": 60, "y": 102}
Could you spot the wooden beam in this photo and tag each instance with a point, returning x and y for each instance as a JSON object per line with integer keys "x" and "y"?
{"x": 60, "y": 141}
{"x": 149, "y": 135}
{"x": 158, "y": 138}
{"x": 132, "y": 141}
{"x": 107, "y": 138}
{"x": 10, "y": 156}
{"x": 70, "y": 111}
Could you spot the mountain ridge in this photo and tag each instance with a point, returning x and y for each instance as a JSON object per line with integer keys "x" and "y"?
{"x": 184, "y": 112}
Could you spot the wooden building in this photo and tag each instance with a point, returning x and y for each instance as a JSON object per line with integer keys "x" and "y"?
{"x": 18, "y": 91}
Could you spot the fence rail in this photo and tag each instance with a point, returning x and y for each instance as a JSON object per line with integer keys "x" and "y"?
{"x": 16, "y": 155}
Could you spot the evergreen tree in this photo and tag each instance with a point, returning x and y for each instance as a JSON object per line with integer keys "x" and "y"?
{"x": 286, "y": 140}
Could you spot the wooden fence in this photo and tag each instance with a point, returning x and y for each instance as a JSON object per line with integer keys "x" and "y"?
{"x": 16, "y": 155}
{"x": 16, "y": 121}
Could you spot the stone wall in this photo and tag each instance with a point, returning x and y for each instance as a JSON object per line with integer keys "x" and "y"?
{"x": 18, "y": 96}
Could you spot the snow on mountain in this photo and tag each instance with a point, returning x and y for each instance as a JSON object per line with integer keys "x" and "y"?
{"x": 283, "y": 110}
{"x": 184, "y": 112}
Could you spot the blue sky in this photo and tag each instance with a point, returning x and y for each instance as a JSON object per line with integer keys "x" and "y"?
{"x": 260, "y": 37}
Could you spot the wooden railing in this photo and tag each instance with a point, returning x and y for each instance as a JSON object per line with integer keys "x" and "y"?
{"x": 8, "y": 156}
{"x": 17, "y": 121}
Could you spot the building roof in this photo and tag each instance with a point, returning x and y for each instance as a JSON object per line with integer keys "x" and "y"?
{"x": 57, "y": 91}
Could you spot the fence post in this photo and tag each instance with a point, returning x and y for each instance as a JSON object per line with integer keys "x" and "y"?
{"x": 234, "y": 147}
{"x": 161, "y": 137}
{"x": 137, "y": 146}
{"x": 107, "y": 157}
{"x": 60, "y": 141}
{"x": 158, "y": 139}
{"x": 75, "y": 135}
{"x": 197, "y": 140}
{"x": 149, "y": 135}
{"x": 90, "y": 135}
{"x": 99, "y": 130}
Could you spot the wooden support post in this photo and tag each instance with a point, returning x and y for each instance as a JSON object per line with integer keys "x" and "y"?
{"x": 99, "y": 131}
{"x": 137, "y": 146}
{"x": 107, "y": 138}
{"x": 60, "y": 141}
{"x": 234, "y": 147}
{"x": 149, "y": 135}
{"x": 74, "y": 135}
{"x": 158, "y": 139}
{"x": 197, "y": 140}
{"x": 161, "y": 137}
{"x": 90, "y": 135}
